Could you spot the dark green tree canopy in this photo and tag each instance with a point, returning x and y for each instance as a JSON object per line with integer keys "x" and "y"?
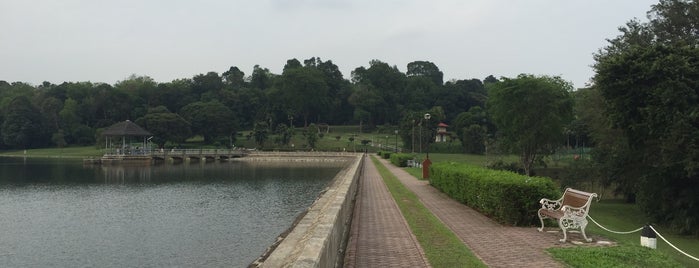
{"x": 530, "y": 113}
{"x": 165, "y": 126}
{"x": 648, "y": 79}
{"x": 212, "y": 120}
{"x": 22, "y": 126}
{"x": 427, "y": 69}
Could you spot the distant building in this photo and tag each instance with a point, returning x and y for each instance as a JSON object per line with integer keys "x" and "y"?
{"x": 442, "y": 133}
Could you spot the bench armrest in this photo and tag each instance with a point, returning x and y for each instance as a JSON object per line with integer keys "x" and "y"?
{"x": 550, "y": 204}
{"x": 577, "y": 212}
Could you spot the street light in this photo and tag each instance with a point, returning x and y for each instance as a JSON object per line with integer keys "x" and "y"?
{"x": 426, "y": 163}
{"x": 427, "y": 123}
{"x": 396, "y": 132}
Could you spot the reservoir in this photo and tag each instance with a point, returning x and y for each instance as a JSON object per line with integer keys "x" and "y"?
{"x": 59, "y": 213}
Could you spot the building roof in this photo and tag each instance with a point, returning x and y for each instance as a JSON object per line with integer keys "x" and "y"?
{"x": 442, "y": 125}
{"x": 125, "y": 128}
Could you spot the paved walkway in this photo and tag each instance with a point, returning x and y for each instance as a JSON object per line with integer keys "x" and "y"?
{"x": 494, "y": 244}
{"x": 380, "y": 236}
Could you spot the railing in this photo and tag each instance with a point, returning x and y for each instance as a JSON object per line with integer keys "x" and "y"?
{"x": 174, "y": 152}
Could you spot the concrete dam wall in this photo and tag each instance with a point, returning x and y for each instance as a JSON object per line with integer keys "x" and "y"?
{"x": 319, "y": 237}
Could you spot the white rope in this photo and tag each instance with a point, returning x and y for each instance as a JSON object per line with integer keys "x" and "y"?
{"x": 673, "y": 246}
{"x": 600, "y": 226}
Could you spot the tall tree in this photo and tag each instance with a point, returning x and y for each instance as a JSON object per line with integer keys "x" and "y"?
{"x": 22, "y": 126}
{"x": 388, "y": 82}
{"x": 304, "y": 92}
{"x": 530, "y": 113}
{"x": 649, "y": 79}
{"x": 234, "y": 77}
{"x": 209, "y": 82}
{"x": 212, "y": 120}
{"x": 165, "y": 126}
{"x": 261, "y": 78}
{"x": 426, "y": 69}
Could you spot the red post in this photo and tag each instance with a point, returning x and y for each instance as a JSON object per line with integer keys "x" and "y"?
{"x": 426, "y": 168}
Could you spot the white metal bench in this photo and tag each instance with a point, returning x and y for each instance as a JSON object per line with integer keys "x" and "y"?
{"x": 570, "y": 211}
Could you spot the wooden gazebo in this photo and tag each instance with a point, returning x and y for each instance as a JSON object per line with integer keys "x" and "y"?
{"x": 124, "y": 133}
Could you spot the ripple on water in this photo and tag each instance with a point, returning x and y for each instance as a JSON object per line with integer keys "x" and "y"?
{"x": 216, "y": 216}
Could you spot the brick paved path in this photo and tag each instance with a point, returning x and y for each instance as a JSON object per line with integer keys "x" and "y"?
{"x": 380, "y": 236}
{"x": 494, "y": 244}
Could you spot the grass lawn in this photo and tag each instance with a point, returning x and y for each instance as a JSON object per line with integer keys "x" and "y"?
{"x": 441, "y": 246}
{"x": 619, "y": 216}
{"x": 68, "y": 152}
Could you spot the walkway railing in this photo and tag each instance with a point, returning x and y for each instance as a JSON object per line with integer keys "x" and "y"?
{"x": 175, "y": 152}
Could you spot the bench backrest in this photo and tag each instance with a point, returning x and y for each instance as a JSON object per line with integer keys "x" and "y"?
{"x": 576, "y": 198}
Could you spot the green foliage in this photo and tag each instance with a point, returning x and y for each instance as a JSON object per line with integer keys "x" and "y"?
{"x": 648, "y": 78}
{"x": 386, "y": 155}
{"x": 401, "y": 159}
{"x": 311, "y": 134}
{"x": 530, "y": 113}
{"x": 284, "y": 134}
{"x": 22, "y": 125}
{"x": 210, "y": 119}
{"x": 165, "y": 126}
{"x": 507, "y": 197}
{"x": 260, "y": 133}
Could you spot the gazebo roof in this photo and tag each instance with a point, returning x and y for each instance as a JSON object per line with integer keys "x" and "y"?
{"x": 125, "y": 128}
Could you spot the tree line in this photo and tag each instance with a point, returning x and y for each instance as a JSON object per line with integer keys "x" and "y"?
{"x": 216, "y": 106}
{"x": 641, "y": 114}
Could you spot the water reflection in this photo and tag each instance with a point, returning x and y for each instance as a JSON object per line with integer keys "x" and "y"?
{"x": 119, "y": 174}
{"x": 57, "y": 213}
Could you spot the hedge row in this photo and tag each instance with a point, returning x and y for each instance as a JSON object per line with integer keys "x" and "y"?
{"x": 507, "y": 197}
{"x": 385, "y": 155}
{"x": 401, "y": 159}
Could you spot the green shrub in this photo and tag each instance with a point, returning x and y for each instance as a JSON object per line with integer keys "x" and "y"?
{"x": 385, "y": 155}
{"x": 507, "y": 197}
{"x": 400, "y": 159}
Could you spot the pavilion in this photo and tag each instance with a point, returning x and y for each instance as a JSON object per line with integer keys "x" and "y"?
{"x": 126, "y": 141}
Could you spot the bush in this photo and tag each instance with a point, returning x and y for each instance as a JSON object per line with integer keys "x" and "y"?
{"x": 507, "y": 197}
{"x": 401, "y": 160}
{"x": 385, "y": 155}
{"x": 512, "y": 166}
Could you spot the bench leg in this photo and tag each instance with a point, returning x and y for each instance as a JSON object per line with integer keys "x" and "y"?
{"x": 563, "y": 225}
{"x": 542, "y": 223}
{"x": 582, "y": 230}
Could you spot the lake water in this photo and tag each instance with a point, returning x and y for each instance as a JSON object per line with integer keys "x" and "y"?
{"x": 59, "y": 213}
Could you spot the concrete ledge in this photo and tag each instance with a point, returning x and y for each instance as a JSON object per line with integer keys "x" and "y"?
{"x": 318, "y": 239}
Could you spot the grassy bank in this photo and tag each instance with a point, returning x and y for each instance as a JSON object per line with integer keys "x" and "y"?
{"x": 441, "y": 246}
{"x": 68, "y": 152}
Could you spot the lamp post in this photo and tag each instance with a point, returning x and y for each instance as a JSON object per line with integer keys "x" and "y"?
{"x": 427, "y": 123}
{"x": 426, "y": 163}
{"x": 396, "y": 132}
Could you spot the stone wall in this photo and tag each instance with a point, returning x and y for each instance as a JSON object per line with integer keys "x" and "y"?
{"x": 318, "y": 239}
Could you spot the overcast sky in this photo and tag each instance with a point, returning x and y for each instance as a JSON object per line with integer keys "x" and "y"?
{"x": 106, "y": 41}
